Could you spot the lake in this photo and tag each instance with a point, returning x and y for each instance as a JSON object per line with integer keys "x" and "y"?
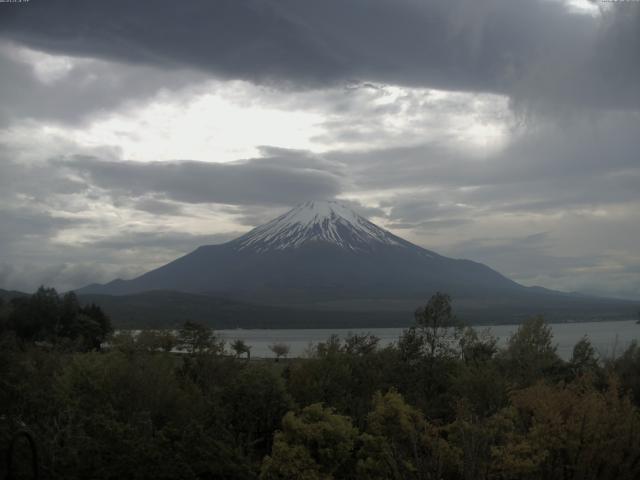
{"x": 608, "y": 338}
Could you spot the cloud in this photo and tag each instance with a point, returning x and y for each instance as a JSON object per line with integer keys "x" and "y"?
{"x": 158, "y": 207}
{"x": 233, "y": 38}
{"x": 251, "y": 182}
{"x": 21, "y": 225}
{"x": 421, "y": 208}
{"x": 73, "y": 90}
{"x": 141, "y": 239}
{"x": 534, "y": 260}
{"x": 588, "y": 162}
{"x": 536, "y": 51}
{"x": 27, "y": 277}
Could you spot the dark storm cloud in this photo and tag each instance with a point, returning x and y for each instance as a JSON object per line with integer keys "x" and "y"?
{"x": 242, "y": 183}
{"x": 236, "y": 38}
{"x": 37, "y": 181}
{"x": 532, "y": 49}
{"x": 20, "y": 224}
{"x": 86, "y": 88}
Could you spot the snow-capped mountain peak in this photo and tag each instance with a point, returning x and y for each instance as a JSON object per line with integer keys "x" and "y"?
{"x": 320, "y": 222}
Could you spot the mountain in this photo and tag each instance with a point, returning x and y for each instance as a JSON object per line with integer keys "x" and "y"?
{"x": 317, "y": 251}
{"x": 324, "y": 256}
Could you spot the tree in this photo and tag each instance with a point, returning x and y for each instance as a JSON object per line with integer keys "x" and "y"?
{"x": 254, "y": 402}
{"x": 280, "y": 350}
{"x": 475, "y": 437}
{"x": 155, "y": 340}
{"x": 356, "y": 344}
{"x": 45, "y": 317}
{"x": 400, "y": 444}
{"x": 574, "y": 432}
{"x": 124, "y": 341}
{"x": 240, "y": 347}
{"x": 102, "y": 329}
{"x": 530, "y": 352}
{"x": 627, "y": 368}
{"x": 196, "y": 338}
{"x": 430, "y": 352}
{"x": 36, "y": 318}
{"x": 477, "y": 348}
{"x": 315, "y": 444}
{"x": 68, "y": 316}
{"x": 437, "y": 327}
{"x": 584, "y": 358}
{"x": 4, "y": 316}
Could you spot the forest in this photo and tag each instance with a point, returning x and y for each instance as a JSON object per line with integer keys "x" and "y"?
{"x": 443, "y": 402}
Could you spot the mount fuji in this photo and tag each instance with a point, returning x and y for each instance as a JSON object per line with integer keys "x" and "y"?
{"x": 323, "y": 255}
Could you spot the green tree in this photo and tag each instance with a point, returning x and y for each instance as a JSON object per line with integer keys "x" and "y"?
{"x": 156, "y": 341}
{"x": 430, "y": 351}
{"x": 530, "y": 352}
{"x": 254, "y": 402}
{"x": 477, "y": 348}
{"x": 627, "y": 368}
{"x": 280, "y": 350}
{"x": 438, "y": 327}
{"x": 196, "y": 338}
{"x": 45, "y": 317}
{"x": 574, "y": 432}
{"x": 241, "y": 348}
{"x": 36, "y": 318}
{"x": 124, "y": 341}
{"x": 400, "y": 444}
{"x": 475, "y": 437}
{"x": 94, "y": 326}
{"x": 345, "y": 381}
{"x": 316, "y": 444}
{"x": 584, "y": 358}
{"x": 356, "y": 344}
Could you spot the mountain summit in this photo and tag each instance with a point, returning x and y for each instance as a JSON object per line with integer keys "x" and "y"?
{"x": 318, "y": 221}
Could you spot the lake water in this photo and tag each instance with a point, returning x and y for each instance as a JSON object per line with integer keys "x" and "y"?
{"x": 608, "y": 338}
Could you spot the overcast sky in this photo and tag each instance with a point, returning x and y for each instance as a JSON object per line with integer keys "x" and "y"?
{"x": 504, "y": 131}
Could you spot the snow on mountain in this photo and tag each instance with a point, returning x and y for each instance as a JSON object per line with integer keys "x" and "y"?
{"x": 318, "y": 221}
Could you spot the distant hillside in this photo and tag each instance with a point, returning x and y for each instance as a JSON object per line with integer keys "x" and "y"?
{"x": 157, "y": 309}
{"x": 169, "y": 309}
{"x": 9, "y": 294}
